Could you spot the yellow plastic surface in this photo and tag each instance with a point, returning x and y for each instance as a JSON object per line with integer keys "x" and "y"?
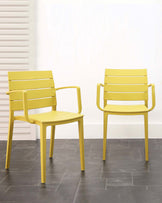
{"x": 126, "y": 108}
{"x": 125, "y": 72}
{"x": 125, "y": 80}
{"x": 125, "y": 96}
{"x": 125, "y": 85}
{"x": 51, "y": 117}
{"x": 32, "y": 90}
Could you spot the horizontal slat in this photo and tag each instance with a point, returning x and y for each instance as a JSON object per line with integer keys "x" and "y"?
{"x": 14, "y": 32}
{"x": 4, "y": 102}
{"x": 125, "y": 88}
{"x": 13, "y": 8}
{"x": 14, "y": 60}
{"x": 29, "y": 75}
{"x": 4, "y": 114}
{"x": 126, "y": 72}
{"x": 125, "y": 96}
{"x": 14, "y": 43}
{"x": 15, "y": 67}
{"x": 18, "y": 124}
{"x": 4, "y": 120}
{"x": 14, "y": 3}
{"x": 14, "y": 26}
{"x": 126, "y": 80}
{"x": 13, "y": 55}
{"x": 17, "y": 130}
{"x": 35, "y": 84}
{"x": 3, "y": 91}
{"x": 3, "y": 78}
{"x": 14, "y": 20}
{"x": 4, "y": 108}
{"x": 14, "y": 14}
{"x": 3, "y": 97}
{"x": 15, "y": 37}
{"x": 33, "y": 104}
{"x": 4, "y": 84}
{"x": 14, "y": 50}
{"x": 3, "y": 73}
{"x": 33, "y": 94}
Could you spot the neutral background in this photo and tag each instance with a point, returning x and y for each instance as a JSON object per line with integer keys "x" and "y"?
{"x": 78, "y": 40}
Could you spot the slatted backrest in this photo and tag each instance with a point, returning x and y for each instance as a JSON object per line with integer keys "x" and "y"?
{"x": 125, "y": 85}
{"x": 40, "y": 86}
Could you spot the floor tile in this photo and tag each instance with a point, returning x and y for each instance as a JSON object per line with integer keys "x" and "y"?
{"x": 123, "y": 177}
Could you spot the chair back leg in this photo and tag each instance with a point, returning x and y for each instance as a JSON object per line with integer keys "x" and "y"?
{"x": 81, "y": 143}
{"x": 105, "y": 135}
{"x": 52, "y": 141}
{"x": 43, "y": 152}
{"x": 146, "y": 136}
{"x": 9, "y": 142}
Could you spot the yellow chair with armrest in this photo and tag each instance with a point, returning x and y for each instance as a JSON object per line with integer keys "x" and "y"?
{"x": 125, "y": 85}
{"x": 33, "y": 90}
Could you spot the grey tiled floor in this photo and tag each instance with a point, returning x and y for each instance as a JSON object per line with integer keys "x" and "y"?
{"x": 123, "y": 178}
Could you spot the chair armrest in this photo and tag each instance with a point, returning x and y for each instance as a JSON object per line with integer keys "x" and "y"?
{"x": 25, "y": 103}
{"x": 98, "y": 96}
{"x": 153, "y": 96}
{"x": 78, "y": 96}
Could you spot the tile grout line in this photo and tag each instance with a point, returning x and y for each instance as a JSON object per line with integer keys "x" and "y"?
{"x": 132, "y": 179}
{"x": 106, "y": 180}
{"x": 3, "y": 178}
{"x": 60, "y": 182}
{"x": 76, "y": 192}
{"x": 7, "y": 189}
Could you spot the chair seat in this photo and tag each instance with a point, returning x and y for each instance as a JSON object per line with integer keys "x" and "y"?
{"x": 126, "y": 108}
{"x": 53, "y": 117}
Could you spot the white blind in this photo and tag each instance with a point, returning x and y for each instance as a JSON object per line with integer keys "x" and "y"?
{"x": 17, "y": 53}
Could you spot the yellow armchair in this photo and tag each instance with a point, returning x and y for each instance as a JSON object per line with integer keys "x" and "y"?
{"x": 32, "y": 90}
{"x": 125, "y": 85}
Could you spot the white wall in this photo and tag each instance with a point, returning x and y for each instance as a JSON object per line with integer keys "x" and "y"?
{"x": 77, "y": 41}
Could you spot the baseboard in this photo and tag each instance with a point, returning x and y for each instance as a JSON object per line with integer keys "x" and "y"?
{"x": 95, "y": 131}
{"x": 18, "y": 135}
{"x": 115, "y": 131}
{"x": 123, "y": 130}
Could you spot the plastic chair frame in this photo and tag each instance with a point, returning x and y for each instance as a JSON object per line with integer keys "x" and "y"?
{"x": 43, "y": 127}
{"x": 99, "y": 85}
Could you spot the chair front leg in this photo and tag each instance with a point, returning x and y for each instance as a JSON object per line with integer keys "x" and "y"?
{"x": 81, "y": 143}
{"x": 146, "y": 136}
{"x": 105, "y": 135}
{"x": 52, "y": 141}
{"x": 9, "y": 142}
{"x": 43, "y": 152}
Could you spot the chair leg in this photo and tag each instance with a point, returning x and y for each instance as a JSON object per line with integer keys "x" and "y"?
{"x": 52, "y": 141}
{"x": 9, "y": 143}
{"x": 105, "y": 135}
{"x": 146, "y": 136}
{"x": 43, "y": 152}
{"x": 81, "y": 142}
